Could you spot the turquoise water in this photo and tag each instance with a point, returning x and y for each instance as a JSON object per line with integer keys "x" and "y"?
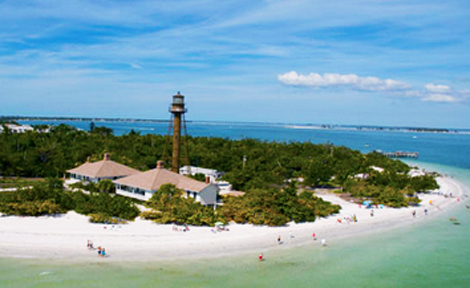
{"x": 425, "y": 254}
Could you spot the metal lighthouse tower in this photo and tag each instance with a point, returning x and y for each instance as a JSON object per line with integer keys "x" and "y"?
{"x": 177, "y": 109}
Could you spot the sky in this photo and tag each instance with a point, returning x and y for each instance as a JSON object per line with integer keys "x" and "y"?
{"x": 349, "y": 62}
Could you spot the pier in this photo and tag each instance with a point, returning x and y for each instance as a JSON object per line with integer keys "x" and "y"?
{"x": 401, "y": 154}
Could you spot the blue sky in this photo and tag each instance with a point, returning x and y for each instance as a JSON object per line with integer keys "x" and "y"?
{"x": 396, "y": 63}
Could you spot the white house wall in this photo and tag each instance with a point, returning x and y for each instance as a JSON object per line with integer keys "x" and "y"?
{"x": 145, "y": 197}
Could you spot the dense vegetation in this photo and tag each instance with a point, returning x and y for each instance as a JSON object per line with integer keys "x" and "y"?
{"x": 168, "y": 206}
{"x": 272, "y": 207}
{"x": 276, "y": 207}
{"x": 267, "y": 165}
{"x": 49, "y": 197}
{"x": 12, "y": 182}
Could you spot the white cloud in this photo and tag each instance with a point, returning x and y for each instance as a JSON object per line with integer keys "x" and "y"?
{"x": 135, "y": 66}
{"x": 437, "y": 88}
{"x": 352, "y": 80}
{"x": 442, "y": 93}
{"x": 445, "y": 98}
{"x": 431, "y": 92}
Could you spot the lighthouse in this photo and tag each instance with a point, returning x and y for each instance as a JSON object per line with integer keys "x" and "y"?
{"x": 177, "y": 109}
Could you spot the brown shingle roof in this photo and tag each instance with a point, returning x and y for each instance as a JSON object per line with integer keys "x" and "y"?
{"x": 153, "y": 179}
{"x": 103, "y": 168}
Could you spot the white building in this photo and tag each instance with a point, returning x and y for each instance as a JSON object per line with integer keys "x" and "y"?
{"x": 378, "y": 169}
{"x": 97, "y": 171}
{"x": 143, "y": 185}
{"x": 416, "y": 173}
{"x": 17, "y": 128}
{"x": 211, "y": 173}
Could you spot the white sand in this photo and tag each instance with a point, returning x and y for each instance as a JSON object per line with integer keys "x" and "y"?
{"x": 65, "y": 237}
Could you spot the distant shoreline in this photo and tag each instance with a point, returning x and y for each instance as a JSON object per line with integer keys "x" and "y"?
{"x": 305, "y": 126}
{"x": 84, "y": 119}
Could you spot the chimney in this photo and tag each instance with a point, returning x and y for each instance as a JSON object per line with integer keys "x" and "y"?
{"x": 106, "y": 156}
{"x": 160, "y": 164}
{"x": 208, "y": 180}
{"x": 88, "y": 159}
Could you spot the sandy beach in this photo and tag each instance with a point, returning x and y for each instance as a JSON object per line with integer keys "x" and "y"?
{"x": 65, "y": 236}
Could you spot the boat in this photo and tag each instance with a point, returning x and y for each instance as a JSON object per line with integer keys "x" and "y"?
{"x": 454, "y": 221}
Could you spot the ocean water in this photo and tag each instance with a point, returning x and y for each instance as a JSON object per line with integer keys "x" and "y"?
{"x": 424, "y": 254}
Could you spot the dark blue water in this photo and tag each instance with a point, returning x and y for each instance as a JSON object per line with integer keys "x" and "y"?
{"x": 440, "y": 148}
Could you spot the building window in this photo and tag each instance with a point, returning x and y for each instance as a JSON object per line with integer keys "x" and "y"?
{"x": 139, "y": 191}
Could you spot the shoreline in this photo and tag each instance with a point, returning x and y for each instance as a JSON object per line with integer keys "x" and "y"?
{"x": 64, "y": 237}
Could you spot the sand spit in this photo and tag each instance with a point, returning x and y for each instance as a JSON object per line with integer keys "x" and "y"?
{"x": 65, "y": 237}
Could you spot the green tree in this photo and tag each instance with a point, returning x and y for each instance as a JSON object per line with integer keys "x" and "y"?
{"x": 106, "y": 186}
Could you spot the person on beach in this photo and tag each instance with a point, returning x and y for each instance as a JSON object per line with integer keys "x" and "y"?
{"x": 314, "y": 238}
{"x": 88, "y": 244}
{"x": 414, "y": 213}
{"x": 371, "y": 213}
{"x": 260, "y": 257}
{"x": 279, "y": 239}
{"x": 103, "y": 253}
{"x": 354, "y": 218}
{"x": 425, "y": 211}
{"x": 99, "y": 251}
